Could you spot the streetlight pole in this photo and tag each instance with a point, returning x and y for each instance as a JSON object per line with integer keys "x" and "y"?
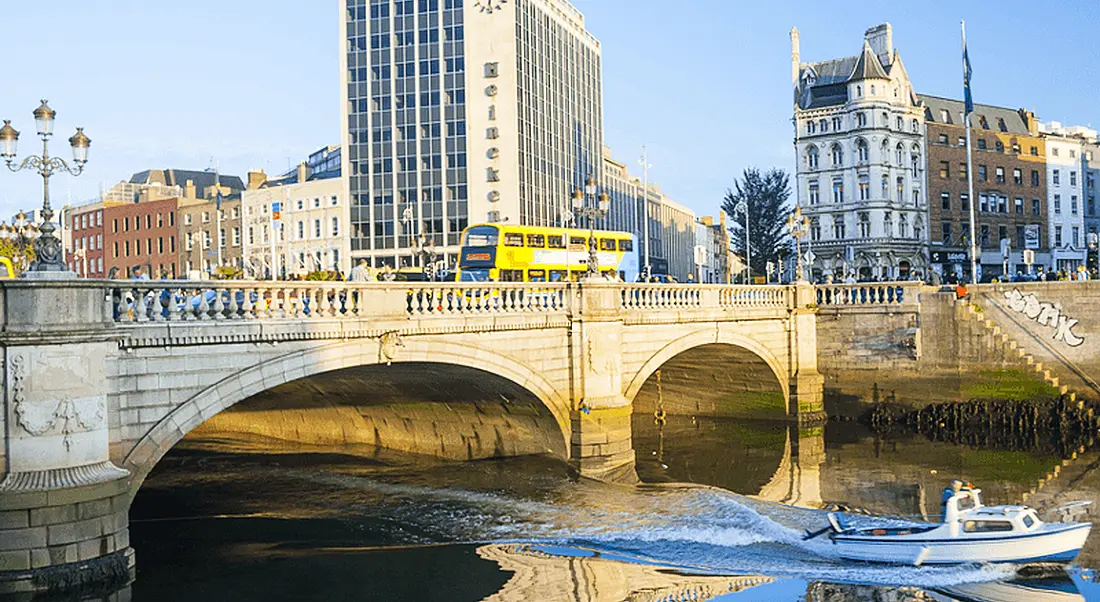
{"x": 743, "y": 207}
{"x": 799, "y": 227}
{"x": 47, "y": 248}
{"x": 600, "y": 210}
{"x": 644, "y": 161}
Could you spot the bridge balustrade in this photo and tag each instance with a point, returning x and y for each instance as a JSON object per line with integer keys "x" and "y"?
{"x": 701, "y": 296}
{"x": 869, "y": 293}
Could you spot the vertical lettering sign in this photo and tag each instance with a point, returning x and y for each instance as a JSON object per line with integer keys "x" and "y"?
{"x": 492, "y": 133}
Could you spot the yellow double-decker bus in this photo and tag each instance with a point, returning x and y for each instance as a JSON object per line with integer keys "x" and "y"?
{"x": 506, "y": 253}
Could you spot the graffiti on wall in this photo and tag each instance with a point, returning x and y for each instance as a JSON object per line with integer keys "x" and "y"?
{"x": 1045, "y": 314}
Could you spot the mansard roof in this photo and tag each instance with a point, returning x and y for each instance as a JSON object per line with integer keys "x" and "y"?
{"x": 934, "y": 106}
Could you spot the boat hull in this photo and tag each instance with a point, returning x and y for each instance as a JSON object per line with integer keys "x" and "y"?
{"x": 1057, "y": 544}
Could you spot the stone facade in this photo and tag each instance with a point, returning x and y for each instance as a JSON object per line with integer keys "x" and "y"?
{"x": 859, "y": 142}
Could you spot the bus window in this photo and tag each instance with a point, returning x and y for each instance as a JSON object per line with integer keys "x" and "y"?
{"x": 513, "y": 239}
{"x": 607, "y": 244}
{"x": 537, "y": 241}
{"x": 626, "y": 245}
{"x": 577, "y": 243}
{"x": 558, "y": 275}
{"x": 555, "y": 241}
{"x": 536, "y": 275}
{"x": 576, "y": 275}
{"x": 482, "y": 236}
{"x": 511, "y": 275}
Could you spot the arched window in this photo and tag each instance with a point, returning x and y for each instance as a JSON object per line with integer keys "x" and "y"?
{"x": 888, "y": 225}
{"x": 838, "y": 227}
{"x": 864, "y": 225}
{"x": 872, "y": 89}
{"x": 901, "y": 123}
{"x": 916, "y": 127}
{"x": 884, "y": 152}
{"x": 859, "y": 91}
{"x": 901, "y": 190}
{"x": 900, "y": 152}
{"x": 885, "y": 187}
{"x": 811, "y": 157}
{"x": 811, "y": 127}
{"x": 815, "y": 229}
{"x": 861, "y": 120}
{"x": 838, "y": 155}
{"x": 914, "y": 159}
{"x": 863, "y": 154}
{"x": 918, "y": 228}
{"x": 824, "y": 125}
{"x": 903, "y": 226}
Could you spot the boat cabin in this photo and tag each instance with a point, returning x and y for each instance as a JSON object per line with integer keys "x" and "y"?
{"x": 965, "y": 514}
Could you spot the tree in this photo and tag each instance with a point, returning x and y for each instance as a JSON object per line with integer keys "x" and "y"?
{"x": 765, "y": 194}
{"x": 21, "y": 254}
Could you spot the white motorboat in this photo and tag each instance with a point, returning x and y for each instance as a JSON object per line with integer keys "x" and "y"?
{"x": 969, "y": 533}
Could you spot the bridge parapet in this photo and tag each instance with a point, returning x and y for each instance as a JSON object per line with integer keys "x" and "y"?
{"x": 869, "y": 294}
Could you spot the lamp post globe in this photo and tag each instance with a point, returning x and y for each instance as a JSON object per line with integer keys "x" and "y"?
{"x": 9, "y": 140}
{"x": 43, "y": 120}
{"x": 80, "y": 144}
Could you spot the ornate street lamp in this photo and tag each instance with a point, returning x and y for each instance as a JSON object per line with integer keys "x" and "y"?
{"x": 47, "y": 247}
{"x": 799, "y": 227}
{"x": 603, "y": 205}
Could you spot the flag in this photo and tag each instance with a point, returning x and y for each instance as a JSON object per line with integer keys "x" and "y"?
{"x": 966, "y": 76}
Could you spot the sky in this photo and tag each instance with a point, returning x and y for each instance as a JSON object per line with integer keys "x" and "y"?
{"x": 704, "y": 84}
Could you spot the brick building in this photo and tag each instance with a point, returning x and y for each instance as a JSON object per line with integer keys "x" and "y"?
{"x": 1010, "y": 183}
{"x": 199, "y": 232}
{"x": 141, "y": 234}
{"x": 86, "y": 239}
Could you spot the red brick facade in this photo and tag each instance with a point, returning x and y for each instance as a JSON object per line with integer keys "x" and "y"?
{"x": 141, "y": 234}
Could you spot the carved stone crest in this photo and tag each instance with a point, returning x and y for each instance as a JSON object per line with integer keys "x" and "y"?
{"x": 66, "y": 416}
{"x": 388, "y": 344}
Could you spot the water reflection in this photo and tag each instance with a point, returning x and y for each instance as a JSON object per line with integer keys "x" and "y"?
{"x": 261, "y": 520}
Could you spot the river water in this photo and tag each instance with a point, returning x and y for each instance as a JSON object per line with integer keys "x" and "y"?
{"x": 717, "y": 517}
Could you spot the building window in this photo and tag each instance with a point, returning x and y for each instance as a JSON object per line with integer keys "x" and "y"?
{"x": 1019, "y": 237}
{"x": 301, "y": 230}
{"x": 1017, "y": 177}
{"x": 885, "y": 187}
{"x": 335, "y": 226}
{"x": 1058, "y": 236}
{"x": 863, "y": 155}
{"x": 981, "y": 143}
{"x": 838, "y": 191}
{"x": 1076, "y": 234}
{"x": 206, "y": 239}
{"x": 838, "y": 155}
{"x": 811, "y": 157}
{"x": 918, "y": 228}
{"x": 903, "y": 226}
{"x": 983, "y": 173}
{"x": 945, "y": 170}
{"x": 1057, "y": 204}
{"x": 945, "y": 116}
{"x": 824, "y": 126}
{"x": 900, "y": 154}
{"x": 964, "y": 171}
{"x": 815, "y": 193}
{"x": 206, "y": 217}
{"x": 1073, "y": 178}
{"x": 236, "y": 236}
{"x": 945, "y": 236}
{"x": 1072, "y": 154}
{"x": 836, "y": 124}
{"x": 888, "y": 225}
{"x": 815, "y": 229}
{"x": 811, "y": 127}
{"x": 864, "y": 188}
{"x": 1036, "y": 207}
{"x": 1000, "y": 175}
{"x": 316, "y": 228}
{"x": 1002, "y": 204}
{"x": 984, "y": 240}
{"x": 916, "y": 127}
{"x": 838, "y": 227}
{"x": 943, "y": 139}
{"x": 1073, "y": 204}
{"x": 1057, "y": 176}
{"x": 964, "y": 201}
{"x": 901, "y": 190}
{"x": 901, "y": 123}
{"x": 861, "y": 120}
{"x": 983, "y": 203}
{"x": 999, "y": 146}
{"x": 1034, "y": 177}
{"x": 945, "y": 201}
{"x": 962, "y": 141}
{"x": 1019, "y": 205}
{"x": 864, "y": 225}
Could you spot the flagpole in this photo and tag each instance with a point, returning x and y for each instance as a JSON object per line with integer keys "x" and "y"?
{"x": 970, "y": 166}
{"x": 218, "y": 211}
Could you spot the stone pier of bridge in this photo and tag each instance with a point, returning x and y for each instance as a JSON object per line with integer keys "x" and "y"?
{"x": 102, "y": 378}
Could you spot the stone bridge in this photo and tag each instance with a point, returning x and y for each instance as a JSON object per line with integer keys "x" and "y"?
{"x": 101, "y": 379}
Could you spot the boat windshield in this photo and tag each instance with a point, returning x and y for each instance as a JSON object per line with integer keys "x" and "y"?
{"x": 966, "y": 501}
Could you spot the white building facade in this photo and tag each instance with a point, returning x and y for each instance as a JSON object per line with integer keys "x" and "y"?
{"x": 311, "y": 232}
{"x": 1067, "y": 173}
{"x": 860, "y": 175}
{"x": 464, "y": 111}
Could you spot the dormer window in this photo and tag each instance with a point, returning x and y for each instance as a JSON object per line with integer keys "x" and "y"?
{"x": 945, "y": 116}
{"x": 1001, "y": 124}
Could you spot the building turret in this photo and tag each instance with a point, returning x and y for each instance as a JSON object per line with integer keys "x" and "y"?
{"x": 796, "y": 56}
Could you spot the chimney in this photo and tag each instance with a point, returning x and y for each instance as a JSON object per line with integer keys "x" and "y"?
{"x": 189, "y": 190}
{"x": 796, "y": 56}
{"x": 256, "y": 179}
{"x": 303, "y": 172}
{"x": 881, "y": 39}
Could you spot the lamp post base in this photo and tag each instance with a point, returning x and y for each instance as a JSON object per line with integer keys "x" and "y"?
{"x": 50, "y": 275}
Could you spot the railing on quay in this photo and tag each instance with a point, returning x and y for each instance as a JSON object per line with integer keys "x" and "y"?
{"x": 189, "y": 301}
{"x": 867, "y": 294}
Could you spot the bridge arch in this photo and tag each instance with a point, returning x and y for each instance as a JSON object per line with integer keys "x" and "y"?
{"x": 301, "y": 364}
{"x": 709, "y": 336}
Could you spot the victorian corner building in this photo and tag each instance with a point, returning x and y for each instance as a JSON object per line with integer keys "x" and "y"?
{"x": 460, "y": 112}
{"x": 860, "y": 146}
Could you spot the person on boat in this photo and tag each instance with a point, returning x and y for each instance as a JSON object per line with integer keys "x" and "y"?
{"x": 949, "y": 492}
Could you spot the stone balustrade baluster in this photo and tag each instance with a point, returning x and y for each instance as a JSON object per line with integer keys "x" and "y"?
{"x": 324, "y": 305}
{"x": 219, "y": 304}
{"x": 173, "y": 304}
{"x": 233, "y": 309}
{"x": 246, "y": 304}
{"x": 203, "y": 312}
{"x": 140, "y": 310}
